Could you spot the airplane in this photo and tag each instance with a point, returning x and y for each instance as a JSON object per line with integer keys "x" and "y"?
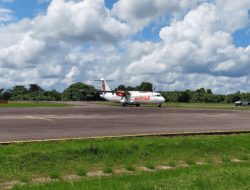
{"x": 130, "y": 97}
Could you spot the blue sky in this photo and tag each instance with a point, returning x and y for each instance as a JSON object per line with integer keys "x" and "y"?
{"x": 242, "y": 37}
{"x": 26, "y": 8}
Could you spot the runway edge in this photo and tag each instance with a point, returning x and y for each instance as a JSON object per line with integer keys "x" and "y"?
{"x": 134, "y": 135}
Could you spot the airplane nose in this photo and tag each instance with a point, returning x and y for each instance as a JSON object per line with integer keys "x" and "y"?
{"x": 162, "y": 99}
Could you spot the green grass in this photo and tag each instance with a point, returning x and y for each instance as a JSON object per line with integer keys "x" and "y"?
{"x": 150, "y": 166}
{"x": 233, "y": 176}
{"x": 172, "y": 164}
{"x": 207, "y": 106}
{"x": 130, "y": 167}
{"x": 44, "y": 158}
{"x": 81, "y": 171}
{"x": 245, "y": 157}
{"x": 55, "y": 175}
{"x": 33, "y": 105}
{"x": 108, "y": 170}
{"x": 190, "y": 105}
{"x": 190, "y": 162}
{"x": 24, "y": 178}
{"x": 226, "y": 159}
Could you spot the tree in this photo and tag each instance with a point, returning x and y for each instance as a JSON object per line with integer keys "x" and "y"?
{"x": 7, "y": 95}
{"x": 1, "y": 93}
{"x": 209, "y": 91}
{"x": 236, "y": 96}
{"x": 36, "y": 93}
{"x": 121, "y": 87}
{"x": 201, "y": 90}
{"x": 245, "y": 96}
{"x": 170, "y": 96}
{"x": 19, "y": 92}
{"x": 34, "y": 88}
{"x": 79, "y": 92}
{"x": 130, "y": 88}
{"x": 184, "y": 96}
{"x": 145, "y": 86}
{"x": 52, "y": 95}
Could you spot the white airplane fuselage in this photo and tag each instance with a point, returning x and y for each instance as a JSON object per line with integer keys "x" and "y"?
{"x": 130, "y": 97}
{"x": 135, "y": 97}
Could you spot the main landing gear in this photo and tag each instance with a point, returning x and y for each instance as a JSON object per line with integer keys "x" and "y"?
{"x": 160, "y": 105}
{"x": 124, "y": 105}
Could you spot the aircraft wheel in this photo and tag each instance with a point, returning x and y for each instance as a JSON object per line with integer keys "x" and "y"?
{"x": 160, "y": 105}
{"x": 137, "y": 105}
{"x": 124, "y": 105}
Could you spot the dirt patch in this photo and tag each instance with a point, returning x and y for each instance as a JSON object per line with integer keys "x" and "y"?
{"x": 142, "y": 168}
{"x": 97, "y": 174}
{"x": 200, "y": 163}
{"x": 41, "y": 180}
{"x": 236, "y": 160}
{"x": 164, "y": 167}
{"x": 72, "y": 177}
{"x": 11, "y": 184}
{"x": 121, "y": 171}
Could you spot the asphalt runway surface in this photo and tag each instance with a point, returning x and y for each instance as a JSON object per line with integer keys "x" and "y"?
{"x": 91, "y": 120}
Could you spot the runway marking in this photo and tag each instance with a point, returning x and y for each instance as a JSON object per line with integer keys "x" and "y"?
{"x": 39, "y": 118}
{"x": 134, "y": 135}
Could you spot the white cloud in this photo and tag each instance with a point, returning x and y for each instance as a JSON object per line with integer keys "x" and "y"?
{"x": 21, "y": 54}
{"x": 200, "y": 45}
{"x": 81, "y": 20}
{"x": 73, "y": 73}
{"x": 82, "y": 40}
{"x": 140, "y": 13}
{"x": 14, "y": 32}
{"x": 225, "y": 66}
{"x": 6, "y": 15}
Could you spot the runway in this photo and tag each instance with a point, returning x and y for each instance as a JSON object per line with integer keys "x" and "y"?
{"x": 91, "y": 120}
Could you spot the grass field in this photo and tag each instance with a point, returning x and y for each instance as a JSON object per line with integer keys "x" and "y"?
{"x": 189, "y": 105}
{"x": 207, "y": 106}
{"x": 32, "y": 104}
{"x": 233, "y": 176}
{"x": 26, "y": 161}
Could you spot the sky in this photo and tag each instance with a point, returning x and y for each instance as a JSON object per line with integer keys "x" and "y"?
{"x": 175, "y": 44}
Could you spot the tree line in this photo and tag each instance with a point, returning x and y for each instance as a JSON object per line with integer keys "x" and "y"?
{"x": 83, "y": 92}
